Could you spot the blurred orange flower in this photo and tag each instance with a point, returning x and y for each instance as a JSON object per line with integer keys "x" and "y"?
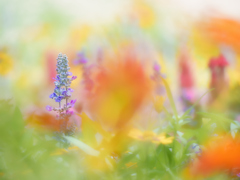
{"x": 120, "y": 89}
{"x": 222, "y": 31}
{"x": 45, "y": 121}
{"x": 221, "y": 155}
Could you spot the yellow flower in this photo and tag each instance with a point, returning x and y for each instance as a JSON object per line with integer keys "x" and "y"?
{"x": 111, "y": 145}
{"x": 150, "y": 136}
{"x": 6, "y": 63}
{"x": 145, "y": 14}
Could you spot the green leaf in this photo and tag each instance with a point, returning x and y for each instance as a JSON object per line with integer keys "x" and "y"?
{"x": 84, "y": 147}
{"x": 169, "y": 94}
{"x": 215, "y": 116}
{"x": 233, "y": 128}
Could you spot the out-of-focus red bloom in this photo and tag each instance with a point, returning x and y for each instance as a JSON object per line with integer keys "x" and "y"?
{"x": 221, "y": 155}
{"x": 46, "y": 121}
{"x": 220, "y": 62}
{"x": 186, "y": 75}
{"x": 119, "y": 89}
{"x": 218, "y": 80}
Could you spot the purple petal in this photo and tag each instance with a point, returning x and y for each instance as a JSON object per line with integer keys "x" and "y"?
{"x": 64, "y": 93}
{"x": 53, "y": 95}
{"x": 82, "y": 61}
{"x": 49, "y": 108}
{"x": 74, "y": 77}
{"x": 72, "y": 102}
{"x": 70, "y": 89}
{"x": 156, "y": 67}
{"x": 70, "y": 112}
{"x": 59, "y": 98}
{"x": 69, "y": 73}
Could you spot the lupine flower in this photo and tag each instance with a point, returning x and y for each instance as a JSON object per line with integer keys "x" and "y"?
{"x": 62, "y": 90}
{"x": 53, "y": 95}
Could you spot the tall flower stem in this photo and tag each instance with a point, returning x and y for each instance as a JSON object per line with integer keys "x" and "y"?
{"x": 63, "y": 91}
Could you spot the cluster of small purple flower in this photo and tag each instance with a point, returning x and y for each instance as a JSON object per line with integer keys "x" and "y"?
{"x": 62, "y": 88}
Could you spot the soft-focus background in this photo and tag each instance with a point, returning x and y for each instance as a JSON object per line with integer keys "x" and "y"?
{"x": 142, "y": 69}
{"x": 34, "y": 32}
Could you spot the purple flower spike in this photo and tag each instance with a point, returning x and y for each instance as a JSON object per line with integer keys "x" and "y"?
{"x": 238, "y": 175}
{"x": 62, "y": 91}
{"x": 49, "y": 108}
{"x": 74, "y": 77}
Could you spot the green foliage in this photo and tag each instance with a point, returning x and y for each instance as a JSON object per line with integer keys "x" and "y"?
{"x": 26, "y": 153}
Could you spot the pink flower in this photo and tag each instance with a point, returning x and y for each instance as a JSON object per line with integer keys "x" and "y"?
{"x": 69, "y": 112}
{"x": 74, "y": 77}
{"x": 49, "y": 108}
{"x": 72, "y": 103}
{"x": 156, "y": 67}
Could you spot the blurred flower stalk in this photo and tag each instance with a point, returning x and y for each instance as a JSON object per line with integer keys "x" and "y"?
{"x": 63, "y": 92}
